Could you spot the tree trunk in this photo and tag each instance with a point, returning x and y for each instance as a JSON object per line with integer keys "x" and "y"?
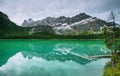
{"x": 115, "y": 49}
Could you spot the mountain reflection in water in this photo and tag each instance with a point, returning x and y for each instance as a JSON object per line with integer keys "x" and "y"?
{"x": 51, "y": 57}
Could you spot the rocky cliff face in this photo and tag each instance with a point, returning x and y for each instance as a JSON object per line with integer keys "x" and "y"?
{"x": 68, "y": 25}
{"x": 28, "y": 23}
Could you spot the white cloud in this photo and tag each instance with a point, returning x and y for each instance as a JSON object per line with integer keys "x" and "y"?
{"x": 18, "y": 10}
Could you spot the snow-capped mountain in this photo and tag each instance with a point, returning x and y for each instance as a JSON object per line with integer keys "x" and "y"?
{"x": 68, "y": 25}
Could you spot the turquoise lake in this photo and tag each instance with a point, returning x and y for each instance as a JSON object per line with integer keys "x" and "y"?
{"x": 52, "y": 57}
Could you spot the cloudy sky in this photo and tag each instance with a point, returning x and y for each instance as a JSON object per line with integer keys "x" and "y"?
{"x": 18, "y": 10}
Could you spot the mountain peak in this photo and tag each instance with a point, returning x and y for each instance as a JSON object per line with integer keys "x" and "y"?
{"x": 81, "y": 16}
{"x": 30, "y": 20}
{"x": 28, "y": 23}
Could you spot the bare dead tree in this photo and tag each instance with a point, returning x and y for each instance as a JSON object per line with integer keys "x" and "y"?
{"x": 112, "y": 19}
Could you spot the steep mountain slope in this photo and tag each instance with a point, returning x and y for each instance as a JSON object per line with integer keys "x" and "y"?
{"x": 7, "y": 26}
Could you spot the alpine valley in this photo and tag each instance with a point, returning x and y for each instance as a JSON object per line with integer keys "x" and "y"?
{"x": 76, "y": 27}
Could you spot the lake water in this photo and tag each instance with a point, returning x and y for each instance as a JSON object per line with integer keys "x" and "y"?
{"x": 52, "y": 57}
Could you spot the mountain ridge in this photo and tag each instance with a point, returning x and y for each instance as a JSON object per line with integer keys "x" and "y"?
{"x": 70, "y": 25}
{"x": 61, "y": 19}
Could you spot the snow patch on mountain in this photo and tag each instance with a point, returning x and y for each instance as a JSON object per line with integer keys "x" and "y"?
{"x": 67, "y": 25}
{"x": 85, "y": 21}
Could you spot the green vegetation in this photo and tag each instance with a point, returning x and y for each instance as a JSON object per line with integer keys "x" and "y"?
{"x": 111, "y": 34}
{"x": 112, "y": 71}
{"x": 112, "y": 68}
{"x": 22, "y": 34}
{"x": 7, "y": 26}
{"x": 46, "y": 35}
{"x": 9, "y": 30}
